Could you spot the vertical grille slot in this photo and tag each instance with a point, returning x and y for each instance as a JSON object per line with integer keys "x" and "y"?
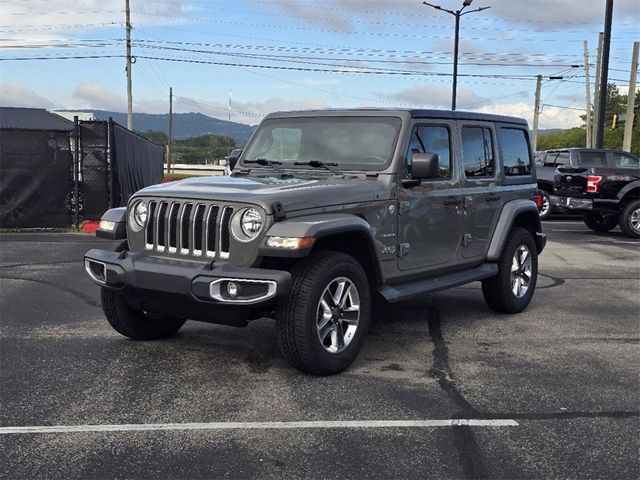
{"x": 184, "y": 228}
{"x": 173, "y": 227}
{"x": 212, "y": 220}
{"x": 149, "y": 233}
{"x": 198, "y": 227}
{"x": 224, "y": 231}
{"x": 160, "y": 226}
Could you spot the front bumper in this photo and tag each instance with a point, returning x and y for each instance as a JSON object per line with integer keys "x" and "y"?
{"x": 571, "y": 203}
{"x": 134, "y": 273}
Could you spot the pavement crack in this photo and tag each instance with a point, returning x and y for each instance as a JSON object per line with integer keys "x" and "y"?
{"x": 465, "y": 441}
{"x": 85, "y": 298}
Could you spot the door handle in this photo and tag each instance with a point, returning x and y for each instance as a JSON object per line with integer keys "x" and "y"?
{"x": 453, "y": 201}
{"x": 492, "y": 198}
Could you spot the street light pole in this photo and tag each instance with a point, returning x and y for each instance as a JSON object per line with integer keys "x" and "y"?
{"x": 457, "y": 14}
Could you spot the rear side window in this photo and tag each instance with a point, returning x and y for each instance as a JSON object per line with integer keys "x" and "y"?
{"x": 622, "y": 160}
{"x": 593, "y": 159}
{"x": 477, "y": 151}
{"x": 431, "y": 139}
{"x": 516, "y": 158}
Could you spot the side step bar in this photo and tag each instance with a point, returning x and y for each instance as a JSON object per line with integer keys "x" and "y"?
{"x": 405, "y": 291}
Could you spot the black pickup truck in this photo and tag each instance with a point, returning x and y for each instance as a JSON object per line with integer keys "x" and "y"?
{"x": 607, "y": 191}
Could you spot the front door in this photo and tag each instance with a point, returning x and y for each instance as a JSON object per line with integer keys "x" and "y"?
{"x": 430, "y": 213}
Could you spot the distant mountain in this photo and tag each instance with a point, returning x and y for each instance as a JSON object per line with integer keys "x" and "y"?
{"x": 185, "y": 125}
{"x": 545, "y": 131}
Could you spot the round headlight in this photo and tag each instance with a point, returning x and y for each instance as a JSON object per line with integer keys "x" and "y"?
{"x": 139, "y": 215}
{"x": 251, "y": 223}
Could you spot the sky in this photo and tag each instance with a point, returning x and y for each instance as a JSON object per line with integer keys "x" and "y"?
{"x": 260, "y": 56}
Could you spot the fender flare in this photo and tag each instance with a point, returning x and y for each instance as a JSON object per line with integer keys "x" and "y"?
{"x": 628, "y": 188}
{"x": 318, "y": 227}
{"x": 508, "y": 215}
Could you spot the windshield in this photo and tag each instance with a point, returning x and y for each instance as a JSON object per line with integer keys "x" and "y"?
{"x": 363, "y": 143}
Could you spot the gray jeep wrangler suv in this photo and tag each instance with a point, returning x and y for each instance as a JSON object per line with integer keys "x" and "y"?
{"x": 326, "y": 213}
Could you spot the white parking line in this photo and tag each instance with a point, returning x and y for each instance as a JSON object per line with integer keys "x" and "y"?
{"x": 143, "y": 427}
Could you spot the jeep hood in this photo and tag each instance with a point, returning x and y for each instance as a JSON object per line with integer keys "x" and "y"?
{"x": 293, "y": 193}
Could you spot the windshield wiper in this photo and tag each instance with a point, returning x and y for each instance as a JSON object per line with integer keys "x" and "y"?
{"x": 318, "y": 164}
{"x": 267, "y": 163}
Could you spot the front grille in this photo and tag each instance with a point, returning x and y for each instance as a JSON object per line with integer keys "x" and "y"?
{"x": 188, "y": 228}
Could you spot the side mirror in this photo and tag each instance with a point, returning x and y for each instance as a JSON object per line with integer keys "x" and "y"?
{"x": 233, "y": 158}
{"x": 424, "y": 166}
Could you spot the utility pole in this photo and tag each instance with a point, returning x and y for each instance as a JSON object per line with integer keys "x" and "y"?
{"x": 604, "y": 74}
{"x": 457, "y": 14}
{"x": 631, "y": 99}
{"x": 596, "y": 96}
{"x": 129, "y": 94}
{"x": 536, "y": 112}
{"x": 589, "y": 141}
{"x": 170, "y": 140}
{"x": 228, "y": 140}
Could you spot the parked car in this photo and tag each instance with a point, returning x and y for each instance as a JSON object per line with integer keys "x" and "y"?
{"x": 325, "y": 212}
{"x": 607, "y": 194}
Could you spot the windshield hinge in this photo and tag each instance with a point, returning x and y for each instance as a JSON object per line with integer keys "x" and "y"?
{"x": 278, "y": 212}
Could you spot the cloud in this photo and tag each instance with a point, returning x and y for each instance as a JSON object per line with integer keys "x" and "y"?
{"x": 550, "y": 117}
{"x": 434, "y": 97}
{"x": 51, "y": 21}
{"x": 350, "y": 15}
{"x": 19, "y": 95}
{"x": 551, "y": 14}
{"x": 96, "y": 96}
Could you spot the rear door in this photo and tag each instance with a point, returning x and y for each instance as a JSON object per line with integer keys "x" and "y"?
{"x": 482, "y": 200}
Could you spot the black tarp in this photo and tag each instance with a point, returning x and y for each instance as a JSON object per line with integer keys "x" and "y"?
{"x": 35, "y": 179}
{"x": 138, "y": 163}
{"x": 36, "y": 170}
{"x": 94, "y": 169}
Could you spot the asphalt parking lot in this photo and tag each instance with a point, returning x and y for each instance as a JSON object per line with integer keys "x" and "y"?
{"x": 561, "y": 380}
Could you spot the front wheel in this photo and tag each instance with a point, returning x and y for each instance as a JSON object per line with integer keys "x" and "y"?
{"x": 630, "y": 219}
{"x": 598, "y": 222}
{"x": 322, "y": 323}
{"x": 510, "y": 291}
{"x": 134, "y": 323}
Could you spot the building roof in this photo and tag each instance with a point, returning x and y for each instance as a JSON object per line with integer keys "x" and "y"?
{"x": 13, "y": 118}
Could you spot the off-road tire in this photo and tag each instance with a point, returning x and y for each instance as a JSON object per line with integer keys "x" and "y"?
{"x": 544, "y": 215}
{"x": 627, "y": 216}
{"x": 133, "y": 323}
{"x": 296, "y": 316}
{"x": 497, "y": 290}
{"x": 599, "y": 223}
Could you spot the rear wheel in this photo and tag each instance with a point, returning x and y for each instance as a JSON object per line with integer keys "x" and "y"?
{"x": 322, "y": 324}
{"x": 545, "y": 208}
{"x": 598, "y": 222}
{"x": 510, "y": 291}
{"x": 134, "y": 323}
{"x": 630, "y": 219}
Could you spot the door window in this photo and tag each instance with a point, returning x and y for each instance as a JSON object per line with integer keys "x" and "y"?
{"x": 622, "y": 160}
{"x": 593, "y": 159}
{"x": 477, "y": 150}
{"x": 431, "y": 139}
{"x": 516, "y": 158}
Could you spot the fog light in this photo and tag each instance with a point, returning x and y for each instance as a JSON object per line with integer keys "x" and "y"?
{"x": 232, "y": 289}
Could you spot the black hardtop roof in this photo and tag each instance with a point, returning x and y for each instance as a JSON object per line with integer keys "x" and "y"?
{"x": 413, "y": 113}
{"x": 585, "y": 149}
{"x": 18, "y": 118}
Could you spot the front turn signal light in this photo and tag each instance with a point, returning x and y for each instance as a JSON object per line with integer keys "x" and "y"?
{"x": 291, "y": 243}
